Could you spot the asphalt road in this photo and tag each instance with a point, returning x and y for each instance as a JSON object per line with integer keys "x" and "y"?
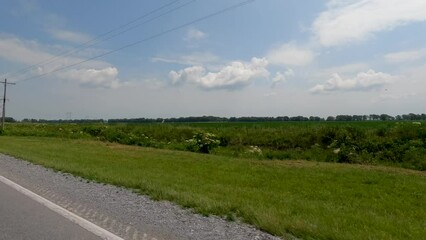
{"x": 23, "y": 218}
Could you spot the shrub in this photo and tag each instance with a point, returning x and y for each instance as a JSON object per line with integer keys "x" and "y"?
{"x": 202, "y": 142}
{"x": 327, "y": 135}
{"x": 94, "y": 130}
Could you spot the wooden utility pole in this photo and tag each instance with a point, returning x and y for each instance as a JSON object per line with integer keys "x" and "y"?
{"x": 4, "y": 103}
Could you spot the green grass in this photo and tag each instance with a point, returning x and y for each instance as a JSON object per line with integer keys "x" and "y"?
{"x": 310, "y": 200}
{"x": 398, "y": 144}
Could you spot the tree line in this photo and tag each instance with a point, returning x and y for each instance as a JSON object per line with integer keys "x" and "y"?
{"x": 341, "y": 118}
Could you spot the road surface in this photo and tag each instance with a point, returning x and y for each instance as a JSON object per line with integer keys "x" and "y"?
{"x": 23, "y": 218}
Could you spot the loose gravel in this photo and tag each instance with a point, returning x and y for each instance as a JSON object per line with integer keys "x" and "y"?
{"x": 121, "y": 211}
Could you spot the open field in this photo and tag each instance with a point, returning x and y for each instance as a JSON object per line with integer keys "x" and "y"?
{"x": 391, "y": 143}
{"x": 306, "y": 199}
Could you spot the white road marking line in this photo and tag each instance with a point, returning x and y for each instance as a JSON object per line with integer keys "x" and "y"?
{"x": 104, "y": 234}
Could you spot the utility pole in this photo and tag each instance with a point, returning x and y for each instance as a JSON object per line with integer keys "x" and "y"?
{"x": 4, "y": 103}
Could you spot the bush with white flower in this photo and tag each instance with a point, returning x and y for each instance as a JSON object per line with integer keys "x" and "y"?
{"x": 255, "y": 150}
{"x": 202, "y": 142}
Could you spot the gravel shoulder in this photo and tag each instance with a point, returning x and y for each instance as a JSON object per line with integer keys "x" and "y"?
{"x": 121, "y": 211}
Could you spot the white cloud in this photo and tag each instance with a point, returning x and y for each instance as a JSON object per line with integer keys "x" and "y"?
{"x": 357, "y": 20}
{"x": 406, "y": 56}
{"x": 90, "y": 74}
{"x": 15, "y": 50}
{"x": 290, "y": 54}
{"x": 27, "y": 52}
{"x": 195, "y": 34}
{"x": 279, "y": 77}
{"x": 409, "y": 93}
{"x": 339, "y": 3}
{"x": 190, "y": 74}
{"x": 347, "y": 69}
{"x": 235, "y": 75}
{"x": 363, "y": 81}
{"x": 94, "y": 78}
{"x": 69, "y": 36}
{"x": 282, "y": 77}
{"x": 197, "y": 58}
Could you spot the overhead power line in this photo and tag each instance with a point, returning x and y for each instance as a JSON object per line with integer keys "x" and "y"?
{"x": 100, "y": 38}
{"x": 133, "y": 27}
{"x": 145, "y": 39}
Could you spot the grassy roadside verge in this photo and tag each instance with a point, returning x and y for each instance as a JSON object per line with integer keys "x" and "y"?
{"x": 305, "y": 199}
{"x": 397, "y": 144}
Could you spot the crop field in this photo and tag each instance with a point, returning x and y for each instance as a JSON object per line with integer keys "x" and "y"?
{"x": 323, "y": 180}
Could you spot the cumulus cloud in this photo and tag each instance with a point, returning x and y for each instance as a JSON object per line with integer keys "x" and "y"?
{"x": 279, "y": 77}
{"x": 69, "y": 36}
{"x": 290, "y": 54}
{"x": 191, "y": 74}
{"x": 363, "y": 81}
{"x": 406, "y": 56}
{"x": 282, "y": 77}
{"x": 235, "y": 75}
{"x": 357, "y": 20}
{"x": 91, "y": 74}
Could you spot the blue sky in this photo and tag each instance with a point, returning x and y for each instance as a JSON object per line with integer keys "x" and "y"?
{"x": 266, "y": 58}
